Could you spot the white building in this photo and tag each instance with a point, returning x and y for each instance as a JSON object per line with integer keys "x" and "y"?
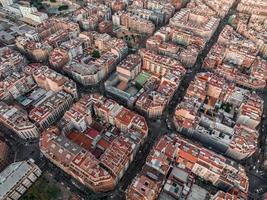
{"x": 25, "y": 10}
{"x": 6, "y": 3}
{"x": 17, "y": 178}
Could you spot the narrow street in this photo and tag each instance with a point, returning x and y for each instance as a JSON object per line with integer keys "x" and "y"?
{"x": 254, "y": 165}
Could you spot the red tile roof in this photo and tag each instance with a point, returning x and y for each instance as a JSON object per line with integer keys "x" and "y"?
{"x": 81, "y": 139}
{"x": 103, "y": 143}
{"x": 92, "y": 133}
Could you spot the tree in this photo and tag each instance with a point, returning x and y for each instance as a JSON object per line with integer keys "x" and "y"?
{"x": 37, "y": 3}
{"x": 63, "y": 7}
{"x": 53, "y": 192}
{"x": 96, "y": 54}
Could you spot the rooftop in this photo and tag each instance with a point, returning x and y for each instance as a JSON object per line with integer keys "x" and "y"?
{"x": 14, "y": 173}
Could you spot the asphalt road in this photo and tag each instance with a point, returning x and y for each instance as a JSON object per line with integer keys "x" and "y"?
{"x": 254, "y": 165}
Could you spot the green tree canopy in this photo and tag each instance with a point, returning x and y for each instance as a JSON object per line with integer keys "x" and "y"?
{"x": 96, "y": 54}
{"x": 63, "y": 7}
